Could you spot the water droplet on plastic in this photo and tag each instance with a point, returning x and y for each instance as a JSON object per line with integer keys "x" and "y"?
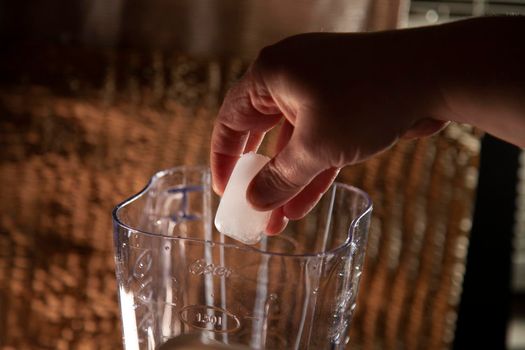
{"x": 142, "y": 265}
{"x": 146, "y": 292}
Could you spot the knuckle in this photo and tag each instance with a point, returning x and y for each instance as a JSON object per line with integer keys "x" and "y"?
{"x": 236, "y": 107}
{"x": 267, "y": 59}
{"x": 282, "y": 180}
{"x": 276, "y": 59}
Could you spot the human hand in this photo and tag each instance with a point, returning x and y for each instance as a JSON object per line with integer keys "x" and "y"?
{"x": 343, "y": 98}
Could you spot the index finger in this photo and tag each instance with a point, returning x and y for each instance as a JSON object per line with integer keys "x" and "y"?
{"x": 246, "y": 109}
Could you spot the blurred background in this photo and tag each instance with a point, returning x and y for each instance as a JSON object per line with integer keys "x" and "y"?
{"x": 96, "y": 96}
{"x": 430, "y": 12}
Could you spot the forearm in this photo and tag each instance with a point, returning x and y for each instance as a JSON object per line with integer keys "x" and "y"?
{"x": 470, "y": 71}
{"x": 480, "y": 71}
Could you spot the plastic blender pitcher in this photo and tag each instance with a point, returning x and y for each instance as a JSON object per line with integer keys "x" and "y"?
{"x": 183, "y": 285}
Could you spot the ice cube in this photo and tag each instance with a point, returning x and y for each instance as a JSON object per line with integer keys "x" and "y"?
{"x": 235, "y": 217}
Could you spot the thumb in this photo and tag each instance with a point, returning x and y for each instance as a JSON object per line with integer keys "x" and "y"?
{"x": 283, "y": 177}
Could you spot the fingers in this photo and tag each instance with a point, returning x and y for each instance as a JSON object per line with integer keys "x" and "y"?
{"x": 301, "y": 204}
{"x": 283, "y": 177}
{"x": 277, "y": 222}
{"x": 227, "y": 145}
{"x": 239, "y": 127}
{"x": 254, "y": 141}
{"x": 285, "y": 133}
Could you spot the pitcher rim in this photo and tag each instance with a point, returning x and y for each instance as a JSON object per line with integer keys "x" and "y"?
{"x": 116, "y": 220}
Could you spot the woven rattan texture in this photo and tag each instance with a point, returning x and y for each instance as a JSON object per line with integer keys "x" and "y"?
{"x": 80, "y": 130}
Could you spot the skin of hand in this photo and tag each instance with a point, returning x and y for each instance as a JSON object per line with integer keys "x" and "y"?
{"x": 347, "y": 97}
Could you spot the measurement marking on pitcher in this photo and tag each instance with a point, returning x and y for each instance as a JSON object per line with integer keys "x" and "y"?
{"x": 211, "y": 318}
{"x": 201, "y": 267}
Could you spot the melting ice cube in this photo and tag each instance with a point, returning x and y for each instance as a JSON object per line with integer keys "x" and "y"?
{"x": 235, "y": 217}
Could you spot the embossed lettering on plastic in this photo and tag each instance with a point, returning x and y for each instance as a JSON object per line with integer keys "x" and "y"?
{"x": 201, "y": 267}
{"x": 209, "y": 318}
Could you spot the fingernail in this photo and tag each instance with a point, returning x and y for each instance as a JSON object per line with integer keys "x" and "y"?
{"x": 277, "y": 223}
